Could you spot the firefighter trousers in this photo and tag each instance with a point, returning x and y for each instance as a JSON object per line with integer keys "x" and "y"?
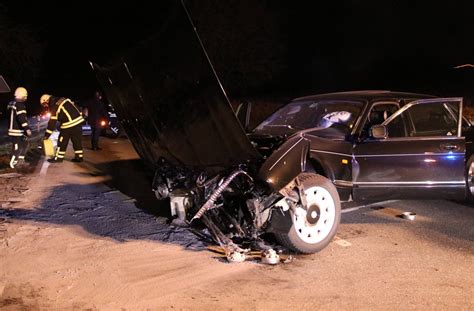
{"x": 75, "y": 135}
{"x": 18, "y": 151}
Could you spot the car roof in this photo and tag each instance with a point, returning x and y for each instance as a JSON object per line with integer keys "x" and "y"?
{"x": 366, "y": 95}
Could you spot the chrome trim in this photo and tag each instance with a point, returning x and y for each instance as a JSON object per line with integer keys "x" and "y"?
{"x": 461, "y": 106}
{"x": 343, "y": 183}
{"x": 305, "y": 134}
{"x": 408, "y": 155}
{"x": 428, "y": 183}
{"x": 419, "y": 138}
{"x": 330, "y": 152}
{"x": 286, "y": 152}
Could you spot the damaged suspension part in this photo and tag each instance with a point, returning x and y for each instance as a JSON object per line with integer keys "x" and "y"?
{"x": 233, "y": 252}
{"x": 217, "y": 193}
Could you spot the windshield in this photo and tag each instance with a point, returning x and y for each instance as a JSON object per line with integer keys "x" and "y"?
{"x": 309, "y": 114}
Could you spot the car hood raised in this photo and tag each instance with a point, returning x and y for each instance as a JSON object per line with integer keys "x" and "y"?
{"x": 4, "y": 88}
{"x": 170, "y": 102}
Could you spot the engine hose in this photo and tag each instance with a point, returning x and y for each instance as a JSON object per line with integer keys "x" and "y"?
{"x": 216, "y": 194}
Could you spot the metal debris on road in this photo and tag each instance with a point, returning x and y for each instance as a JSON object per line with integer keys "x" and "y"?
{"x": 408, "y": 215}
{"x": 10, "y": 175}
{"x": 269, "y": 257}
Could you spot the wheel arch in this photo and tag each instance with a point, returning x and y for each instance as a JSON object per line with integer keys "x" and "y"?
{"x": 293, "y": 157}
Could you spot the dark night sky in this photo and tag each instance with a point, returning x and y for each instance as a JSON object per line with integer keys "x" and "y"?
{"x": 336, "y": 46}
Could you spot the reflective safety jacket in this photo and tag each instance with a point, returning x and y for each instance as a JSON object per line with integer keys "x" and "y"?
{"x": 18, "y": 121}
{"x": 66, "y": 113}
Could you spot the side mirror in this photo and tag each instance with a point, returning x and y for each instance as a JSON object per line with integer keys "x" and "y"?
{"x": 378, "y": 131}
{"x": 243, "y": 114}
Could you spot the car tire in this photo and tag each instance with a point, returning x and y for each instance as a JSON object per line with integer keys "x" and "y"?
{"x": 313, "y": 227}
{"x": 469, "y": 173}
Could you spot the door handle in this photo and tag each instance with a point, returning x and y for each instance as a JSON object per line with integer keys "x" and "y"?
{"x": 449, "y": 147}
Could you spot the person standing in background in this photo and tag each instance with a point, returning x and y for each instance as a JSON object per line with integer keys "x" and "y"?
{"x": 97, "y": 117}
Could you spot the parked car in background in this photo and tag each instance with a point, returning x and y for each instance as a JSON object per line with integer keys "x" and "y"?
{"x": 86, "y": 129}
{"x": 110, "y": 127}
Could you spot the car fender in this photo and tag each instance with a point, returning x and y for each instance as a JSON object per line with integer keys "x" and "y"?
{"x": 283, "y": 165}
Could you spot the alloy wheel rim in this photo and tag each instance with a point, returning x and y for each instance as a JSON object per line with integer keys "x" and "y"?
{"x": 314, "y": 223}
{"x": 470, "y": 177}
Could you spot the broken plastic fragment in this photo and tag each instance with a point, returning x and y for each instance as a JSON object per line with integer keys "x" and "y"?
{"x": 270, "y": 257}
{"x": 236, "y": 257}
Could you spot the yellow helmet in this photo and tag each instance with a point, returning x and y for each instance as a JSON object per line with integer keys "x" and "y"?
{"x": 21, "y": 93}
{"x": 45, "y": 99}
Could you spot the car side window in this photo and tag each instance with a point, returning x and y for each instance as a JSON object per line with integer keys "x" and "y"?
{"x": 426, "y": 119}
{"x": 377, "y": 115}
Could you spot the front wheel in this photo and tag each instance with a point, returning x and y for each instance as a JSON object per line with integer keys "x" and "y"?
{"x": 315, "y": 224}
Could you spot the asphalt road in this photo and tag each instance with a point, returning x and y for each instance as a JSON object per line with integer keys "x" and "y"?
{"x": 92, "y": 236}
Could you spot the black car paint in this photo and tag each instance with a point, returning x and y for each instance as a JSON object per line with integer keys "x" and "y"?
{"x": 371, "y": 161}
{"x": 170, "y": 102}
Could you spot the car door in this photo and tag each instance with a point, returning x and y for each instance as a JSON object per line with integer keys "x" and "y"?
{"x": 422, "y": 155}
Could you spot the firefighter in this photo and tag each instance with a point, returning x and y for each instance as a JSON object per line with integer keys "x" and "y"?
{"x": 64, "y": 111}
{"x": 18, "y": 129}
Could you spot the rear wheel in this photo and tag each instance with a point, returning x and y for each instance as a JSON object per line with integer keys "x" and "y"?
{"x": 470, "y": 180}
{"x": 315, "y": 224}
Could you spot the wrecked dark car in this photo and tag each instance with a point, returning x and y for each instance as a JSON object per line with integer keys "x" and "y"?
{"x": 288, "y": 176}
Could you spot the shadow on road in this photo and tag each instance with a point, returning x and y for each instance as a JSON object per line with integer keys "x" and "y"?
{"x": 107, "y": 213}
{"x": 130, "y": 178}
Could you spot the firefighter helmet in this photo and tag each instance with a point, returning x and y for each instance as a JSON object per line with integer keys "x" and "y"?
{"x": 44, "y": 100}
{"x": 21, "y": 93}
